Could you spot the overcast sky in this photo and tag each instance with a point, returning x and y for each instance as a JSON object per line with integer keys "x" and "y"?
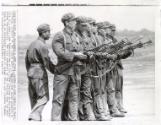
{"x": 124, "y": 17}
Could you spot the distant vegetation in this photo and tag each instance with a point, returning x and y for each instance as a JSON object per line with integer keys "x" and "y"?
{"x": 146, "y": 34}
{"x": 24, "y": 41}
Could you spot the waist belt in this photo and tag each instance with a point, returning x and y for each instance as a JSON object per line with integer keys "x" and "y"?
{"x": 37, "y": 65}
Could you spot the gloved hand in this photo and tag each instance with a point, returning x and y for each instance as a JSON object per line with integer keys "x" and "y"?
{"x": 80, "y": 56}
{"x": 111, "y": 57}
{"x": 125, "y": 54}
{"x": 90, "y": 55}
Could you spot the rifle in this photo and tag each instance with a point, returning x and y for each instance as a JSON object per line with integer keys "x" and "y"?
{"x": 120, "y": 45}
{"x": 117, "y": 49}
{"x": 112, "y": 47}
{"x": 105, "y": 50}
{"x": 134, "y": 46}
{"x": 96, "y": 49}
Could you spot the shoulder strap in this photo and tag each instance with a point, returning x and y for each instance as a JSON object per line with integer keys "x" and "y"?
{"x": 64, "y": 40}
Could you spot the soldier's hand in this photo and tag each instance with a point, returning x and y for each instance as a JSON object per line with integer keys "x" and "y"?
{"x": 125, "y": 54}
{"x": 80, "y": 55}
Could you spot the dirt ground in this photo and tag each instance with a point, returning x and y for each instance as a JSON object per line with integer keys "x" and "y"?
{"x": 139, "y": 91}
{"x": 138, "y": 100}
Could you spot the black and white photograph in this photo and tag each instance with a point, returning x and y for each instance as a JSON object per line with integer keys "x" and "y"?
{"x": 80, "y": 62}
{"x": 87, "y": 63}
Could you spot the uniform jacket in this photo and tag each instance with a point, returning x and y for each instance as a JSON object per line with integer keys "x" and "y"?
{"x": 37, "y": 59}
{"x": 64, "y": 44}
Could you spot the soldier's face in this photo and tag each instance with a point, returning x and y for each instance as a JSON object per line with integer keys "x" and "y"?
{"x": 72, "y": 24}
{"x": 93, "y": 28}
{"x": 108, "y": 31}
{"x": 46, "y": 35}
{"x": 83, "y": 27}
{"x": 113, "y": 32}
{"x": 86, "y": 27}
{"x": 102, "y": 31}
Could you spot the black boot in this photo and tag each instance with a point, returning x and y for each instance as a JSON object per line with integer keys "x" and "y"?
{"x": 89, "y": 112}
{"x": 117, "y": 113}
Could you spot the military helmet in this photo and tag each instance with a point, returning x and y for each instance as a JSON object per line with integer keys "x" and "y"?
{"x": 82, "y": 20}
{"x": 68, "y": 17}
{"x": 103, "y": 25}
{"x": 43, "y": 28}
{"x": 113, "y": 27}
{"x": 107, "y": 24}
{"x": 91, "y": 20}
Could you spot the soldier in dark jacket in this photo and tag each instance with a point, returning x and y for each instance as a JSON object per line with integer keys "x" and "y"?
{"x": 104, "y": 65}
{"x": 68, "y": 49}
{"x": 83, "y": 30}
{"x": 118, "y": 74}
{"x": 37, "y": 59}
{"x": 109, "y": 83}
{"x": 115, "y": 79}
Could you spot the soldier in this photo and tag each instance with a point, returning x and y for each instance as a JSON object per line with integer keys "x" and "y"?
{"x": 83, "y": 30}
{"x": 99, "y": 93}
{"x": 118, "y": 74}
{"x": 94, "y": 32}
{"x": 68, "y": 49}
{"x": 109, "y": 83}
{"x": 104, "y": 63}
{"x": 37, "y": 59}
{"x": 114, "y": 87}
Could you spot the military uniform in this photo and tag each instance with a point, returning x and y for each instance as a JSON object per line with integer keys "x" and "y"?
{"x": 85, "y": 110}
{"x": 118, "y": 77}
{"x": 99, "y": 92}
{"x": 115, "y": 85}
{"x": 37, "y": 59}
{"x": 66, "y": 83}
{"x": 109, "y": 84}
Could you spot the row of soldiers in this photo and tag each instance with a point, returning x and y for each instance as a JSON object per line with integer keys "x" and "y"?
{"x": 83, "y": 90}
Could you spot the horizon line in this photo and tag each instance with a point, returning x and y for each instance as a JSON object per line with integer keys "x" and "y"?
{"x": 119, "y": 30}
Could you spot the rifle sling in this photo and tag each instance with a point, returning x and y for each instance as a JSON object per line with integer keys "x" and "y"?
{"x": 107, "y": 71}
